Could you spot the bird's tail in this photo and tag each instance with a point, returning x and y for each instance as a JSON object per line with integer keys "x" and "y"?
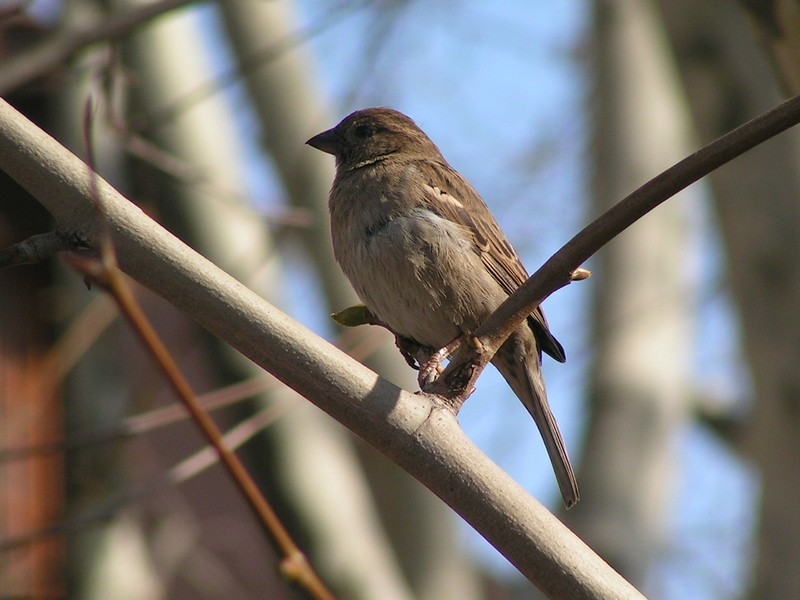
{"x": 525, "y": 378}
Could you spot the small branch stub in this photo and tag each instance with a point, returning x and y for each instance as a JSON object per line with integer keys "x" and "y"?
{"x": 42, "y": 246}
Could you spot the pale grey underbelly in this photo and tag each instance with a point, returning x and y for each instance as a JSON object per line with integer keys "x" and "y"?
{"x": 421, "y": 276}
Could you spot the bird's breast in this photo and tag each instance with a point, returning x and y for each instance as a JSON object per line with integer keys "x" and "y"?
{"x": 415, "y": 270}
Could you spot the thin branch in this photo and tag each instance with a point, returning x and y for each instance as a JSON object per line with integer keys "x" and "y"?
{"x": 470, "y": 359}
{"x": 37, "y": 248}
{"x": 59, "y": 47}
{"x": 105, "y": 271}
{"x": 295, "y": 565}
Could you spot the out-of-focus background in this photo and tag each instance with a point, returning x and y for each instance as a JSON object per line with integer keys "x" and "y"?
{"x": 680, "y": 398}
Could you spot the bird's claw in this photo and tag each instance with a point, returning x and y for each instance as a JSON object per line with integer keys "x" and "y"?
{"x": 430, "y": 369}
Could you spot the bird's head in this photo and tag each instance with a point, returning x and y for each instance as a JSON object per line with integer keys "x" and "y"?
{"x": 371, "y": 134}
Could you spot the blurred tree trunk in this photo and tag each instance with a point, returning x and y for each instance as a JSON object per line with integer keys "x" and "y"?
{"x": 758, "y": 205}
{"x": 643, "y": 310}
{"x": 778, "y": 27}
{"x": 287, "y": 101}
{"x": 97, "y": 392}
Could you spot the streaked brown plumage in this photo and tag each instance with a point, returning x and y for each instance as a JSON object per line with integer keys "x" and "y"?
{"x": 425, "y": 254}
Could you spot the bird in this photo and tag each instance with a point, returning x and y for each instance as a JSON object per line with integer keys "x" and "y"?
{"x": 423, "y": 252}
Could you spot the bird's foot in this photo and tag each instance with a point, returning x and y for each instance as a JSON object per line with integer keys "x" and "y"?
{"x": 431, "y": 368}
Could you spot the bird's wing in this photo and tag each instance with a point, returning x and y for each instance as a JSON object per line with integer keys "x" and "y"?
{"x": 452, "y": 197}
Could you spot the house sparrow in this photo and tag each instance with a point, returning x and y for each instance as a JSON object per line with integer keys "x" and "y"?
{"x": 428, "y": 259}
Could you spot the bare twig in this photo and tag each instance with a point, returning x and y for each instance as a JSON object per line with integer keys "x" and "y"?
{"x": 470, "y": 359}
{"x": 295, "y": 565}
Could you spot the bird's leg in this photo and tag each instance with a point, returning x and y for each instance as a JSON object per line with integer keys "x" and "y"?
{"x": 430, "y": 369}
{"x": 427, "y": 360}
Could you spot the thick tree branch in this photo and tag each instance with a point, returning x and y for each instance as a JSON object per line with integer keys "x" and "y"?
{"x": 416, "y": 432}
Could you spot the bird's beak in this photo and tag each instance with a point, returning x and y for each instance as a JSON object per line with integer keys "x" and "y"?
{"x": 327, "y": 141}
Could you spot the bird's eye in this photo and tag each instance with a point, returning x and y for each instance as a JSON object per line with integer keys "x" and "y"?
{"x": 363, "y": 131}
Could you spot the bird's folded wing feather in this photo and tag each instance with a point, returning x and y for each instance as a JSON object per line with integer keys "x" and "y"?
{"x": 452, "y": 197}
